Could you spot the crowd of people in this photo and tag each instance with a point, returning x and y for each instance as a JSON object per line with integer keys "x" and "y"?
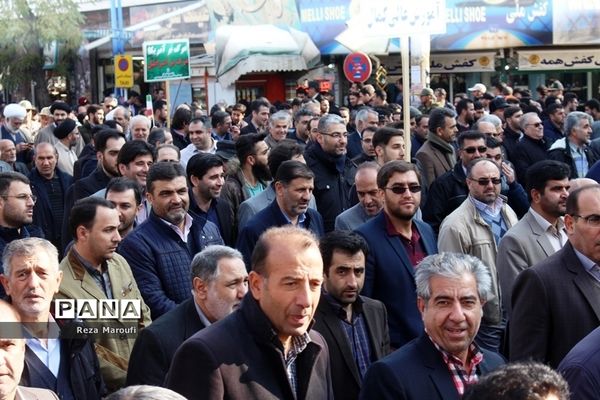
{"x": 291, "y": 251}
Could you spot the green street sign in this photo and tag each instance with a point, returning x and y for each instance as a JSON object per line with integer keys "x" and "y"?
{"x": 166, "y": 60}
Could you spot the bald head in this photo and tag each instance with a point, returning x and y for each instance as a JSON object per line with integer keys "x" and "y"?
{"x": 8, "y": 151}
{"x": 579, "y": 183}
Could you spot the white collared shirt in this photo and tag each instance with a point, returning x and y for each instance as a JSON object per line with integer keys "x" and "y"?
{"x": 556, "y": 235}
{"x": 186, "y": 228}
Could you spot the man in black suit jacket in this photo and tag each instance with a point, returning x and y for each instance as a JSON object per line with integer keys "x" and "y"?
{"x": 555, "y": 303}
{"x": 444, "y": 360}
{"x": 219, "y": 281}
{"x": 354, "y": 327}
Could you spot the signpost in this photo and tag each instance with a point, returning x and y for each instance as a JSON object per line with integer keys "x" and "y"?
{"x": 357, "y": 67}
{"x": 123, "y": 71}
{"x": 166, "y": 60}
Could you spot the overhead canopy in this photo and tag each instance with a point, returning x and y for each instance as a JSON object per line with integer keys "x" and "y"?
{"x": 263, "y": 48}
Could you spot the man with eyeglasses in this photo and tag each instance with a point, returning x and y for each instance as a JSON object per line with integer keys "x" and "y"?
{"x": 555, "y": 302}
{"x": 365, "y": 117}
{"x": 532, "y": 146}
{"x": 16, "y": 211}
{"x": 334, "y": 172}
{"x": 540, "y": 233}
{"x": 397, "y": 243}
{"x": 574, "y": 148}
{"x": 475, "y": 228}
{"x": 449, "y": 191}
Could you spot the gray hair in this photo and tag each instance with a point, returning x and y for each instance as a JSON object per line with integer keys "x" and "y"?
{"x": 329, "y": 119}
{"x": 144, "y": 392}
{"x": 361, "y": 114}
{"x": 453, "y": 266}
{"x": 524, "y": 121}
{"x": 573, "y": 119}
{"x": 126, "y": 112}
{"x": 205, "y": 264}
{"x": 140, "y": 118}
{"x": 28, "y": 247}
{"x": 280, "y": 116}
{"x": 491, "y": 118}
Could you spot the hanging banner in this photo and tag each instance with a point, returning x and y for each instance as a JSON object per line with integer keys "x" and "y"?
{"x": 166, "y": 60}
{"x": 462, "y": 62}
{"x": 563, "y": 59}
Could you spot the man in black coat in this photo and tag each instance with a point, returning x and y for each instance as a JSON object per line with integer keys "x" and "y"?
{"x": 265, "y": 349}
{"x": 219, "y": 282}
{"x": 334, "y": 172}
{"x": 50, "y": 185}
{"x": 293, "y": 188}
{"x": 444, "y": 360}
{"x": 355, "y": 327}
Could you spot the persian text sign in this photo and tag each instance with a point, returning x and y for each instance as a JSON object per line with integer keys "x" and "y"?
{"x": 166, "y": 60}
{"x": 563, "y": 59}
{"x": 462, "y": 62}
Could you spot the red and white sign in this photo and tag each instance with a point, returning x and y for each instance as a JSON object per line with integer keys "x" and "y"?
{"x": 357, "y": 67}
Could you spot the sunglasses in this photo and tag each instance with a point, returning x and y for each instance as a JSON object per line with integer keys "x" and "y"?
{"x": 537, "y": 124}
{"x": 486, "y": 181}
{"x": 402, "y": 189}
{"x": 471, "y": 150}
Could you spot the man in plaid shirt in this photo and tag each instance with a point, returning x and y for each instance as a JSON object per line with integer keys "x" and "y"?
{"x": 444, "y": 360}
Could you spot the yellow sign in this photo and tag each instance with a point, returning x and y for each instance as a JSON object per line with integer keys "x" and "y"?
{"x": 123, "y": 71}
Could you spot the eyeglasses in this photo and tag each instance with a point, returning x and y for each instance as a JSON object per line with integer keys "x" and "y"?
{"x": 486, "y": 181}
{"x": 471, "y": 150}
{"x": 403, "y": 189}
{"x": 592, "y": 220}
{"x": 336, "y": 135}
{"x": 23, "y": 196}
{"x": 496, "y": 157}
{"x": 537, "y": 124}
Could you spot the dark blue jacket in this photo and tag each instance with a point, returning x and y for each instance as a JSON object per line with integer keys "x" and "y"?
{"x": 390, "y": 277}
{"x": 160, "y": 260}
{"x": 417, "y": 371}
{"x": 42, "y": 212}
{"x": 551, "y": 132}
{"x": 270, "y": 217}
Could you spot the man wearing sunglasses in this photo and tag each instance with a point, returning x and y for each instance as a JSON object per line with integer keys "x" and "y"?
{"x": 532, "y": 147}
{"x": 397, "y": 243}
{"x": 555, "y": 302}
{"x": 475, "y": 228}
{"x": 450, "y": 190}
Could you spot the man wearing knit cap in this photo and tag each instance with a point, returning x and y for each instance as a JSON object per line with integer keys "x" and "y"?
{"x": 60, "y": 112}
{"x": 14, "y": 115}
{"x": 66, "y": 135}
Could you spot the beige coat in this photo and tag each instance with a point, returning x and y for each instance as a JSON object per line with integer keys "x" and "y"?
{"x": 465, "y": 231}
{"x": 435, "y": 158}
{"x": 113, "y": 349}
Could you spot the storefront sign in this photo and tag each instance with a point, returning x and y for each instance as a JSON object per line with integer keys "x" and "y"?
{"x": 123, "y": 71}
{"x": 166, "y": 60}
{"x": 564, "y": 60}
{"x": 494, "y": 24}
{"x": 463, "y": 62}
{"x": 357, "y": 67}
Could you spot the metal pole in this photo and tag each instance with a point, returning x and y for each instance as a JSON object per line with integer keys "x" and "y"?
{"x": 404, "y": 51}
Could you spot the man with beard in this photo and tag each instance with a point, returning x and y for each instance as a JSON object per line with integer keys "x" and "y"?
{"x": 354, "y": 327}
{"x": 294, "y": 184}
{"x": 465, "y": 111}
{"x": 60, "y": 112}
{"x": 301, "y": 131}
{"x": 334, "y": 171}
{"x": 94, "y": 118}
{"x": 161, "y": 249}
{"x": 541, "y": 231}
{"x": 16, "y": 211}
{"x": 14, "y": 115}
{"x": 49, "y": 185}
{"x": 207, "y": 176}
{"x": 260, "y": 117}
{"x": 253, "y": 174}
{"x": 370, "y": 201}
{"x": 134, "y": 162}
{"x": 574, "y": 148}
{"x": 388, "y": 144}
{"x": 553, "y": 124}
{"x": 200, "y": 138}
{"x": 397, "y": 243}
{"x": 219, "y": 282}
{"x": 126, "y": 195}
{"x": 475, "y": 228}
{"x": 66, "y": 134}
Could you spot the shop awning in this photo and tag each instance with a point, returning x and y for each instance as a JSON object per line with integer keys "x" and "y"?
{"x": 264, "y": 48}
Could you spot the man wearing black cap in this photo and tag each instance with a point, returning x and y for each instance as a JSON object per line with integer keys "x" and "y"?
{"x": 497, "y": 107}
{"x": 60, "y": 112}
{"x": 66, "y": 134}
